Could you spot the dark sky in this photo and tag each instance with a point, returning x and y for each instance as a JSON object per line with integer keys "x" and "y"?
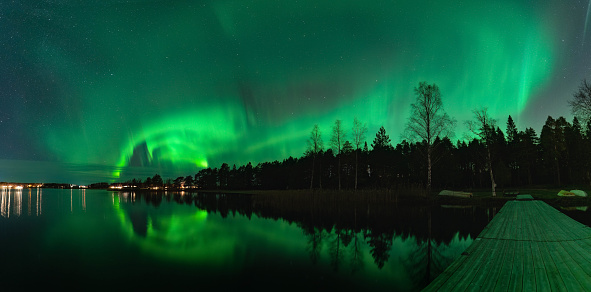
{"x": 108, "y": 90}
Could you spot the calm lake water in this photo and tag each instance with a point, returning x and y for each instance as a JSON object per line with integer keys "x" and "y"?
{"x": 97, "y": 239}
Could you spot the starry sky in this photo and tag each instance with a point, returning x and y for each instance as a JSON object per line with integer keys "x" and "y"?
{"x": 108, "y": 90}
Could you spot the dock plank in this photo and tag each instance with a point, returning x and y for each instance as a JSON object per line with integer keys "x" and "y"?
{"x": 507, "y": 267}
{"x": 455, "y": 272}
{"x": 554, "y": 278}
{"x": 464, "y": 275}
{"x": 542, "y": 283}
{"x": 516, "y": 278}
{"x": 563, "y": 268}
{"x": 529, "y": 275}
{"x": 578, "y": 253}
{"x": 572, "y": 259}
{"x": 487, "y": 281}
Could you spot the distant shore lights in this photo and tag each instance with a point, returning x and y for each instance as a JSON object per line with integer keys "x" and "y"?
{"x": 19, "y": 187}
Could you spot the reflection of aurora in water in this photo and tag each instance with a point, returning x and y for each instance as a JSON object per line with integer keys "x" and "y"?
{"x": 177, "y": 240}
{"x": 179, "y": 235}
{"x": 98, "y": 239}
{"x": 170, "y": 228}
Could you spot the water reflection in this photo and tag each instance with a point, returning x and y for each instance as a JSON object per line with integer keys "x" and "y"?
{"x": 413, "y": 243}
{"x": 259, "y": 242}
{"x": 29, "y": 201}
{"x": 11, "y": 202}
{"x": 39, "y": 199}
{"x": 32, "y": 201}
{"x": 581, "y": 214}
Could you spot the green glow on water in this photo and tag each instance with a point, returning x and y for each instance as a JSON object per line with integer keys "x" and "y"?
{"x": 96, "y": 235}
{"x": 182, "y": 236}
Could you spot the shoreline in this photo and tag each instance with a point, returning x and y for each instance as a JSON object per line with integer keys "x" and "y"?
{"x": 406, "y": 197}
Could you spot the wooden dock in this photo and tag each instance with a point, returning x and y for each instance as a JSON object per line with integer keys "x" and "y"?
{"x": 528, "y": 246}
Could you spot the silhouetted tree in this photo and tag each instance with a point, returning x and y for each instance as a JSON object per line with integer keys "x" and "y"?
{"x": 511, "y": 130}
{"x": 314, "y": 246}
{"x": 483, "y": 126}
{"x": 336, "y": 141}
{"x": 528, "y": 152}
{"x": 356, "y": 254}
{"x": 168, "y": 183}
{"x": 581, "y": 102}
{"x": 382, "y": 140}
{"x": 336, "y": 255}
{"x": 207, "y": 178}
{"x": 157, "y": 180}
{"x": 428, "y": 121}
{"x": 380, "y": 244}
{"x": 379, "y": 158}
{"x": 248, "y": 176}
{"x": 189, "y": 181}
{"x": 347, "y": 162}
{"x": 553, "y": 142}
{"x": 224, "y": 175}
{"x": 314, "y": 147}
{"x": 512, "y": 151}
{"x": 347, "y": 147}
{"x": 445, "y": 171}
{"x": 576, "y": 151}
{"x": 179, "y": 181}
{"x": 359, "y": 130}
{"x": 499, "y": 158}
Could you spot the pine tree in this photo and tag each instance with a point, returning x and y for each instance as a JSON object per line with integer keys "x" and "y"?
{"x": 512, "y": 142}
{"x": 575, "y": 151}
{"x": 511, "y": 131}
{"x": 382, "y": 140}
{"x": 552, "y": 139}
{"x": 528, "y": 152}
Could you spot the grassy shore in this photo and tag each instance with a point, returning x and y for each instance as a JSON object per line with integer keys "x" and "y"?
{"x": 412, "y": 196}
{"x": 419, "y": 197}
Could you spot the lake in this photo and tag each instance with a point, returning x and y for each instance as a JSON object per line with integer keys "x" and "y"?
{"x": 94, "y": 239}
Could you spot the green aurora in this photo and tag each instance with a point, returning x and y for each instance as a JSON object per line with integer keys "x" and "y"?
{"x": 116, "y": 90}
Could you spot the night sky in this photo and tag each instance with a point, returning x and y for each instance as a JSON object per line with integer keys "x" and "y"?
{"x": 100, "y": 90}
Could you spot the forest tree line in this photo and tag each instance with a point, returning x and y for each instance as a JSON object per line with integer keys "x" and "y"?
{"x": 559, "y": 156}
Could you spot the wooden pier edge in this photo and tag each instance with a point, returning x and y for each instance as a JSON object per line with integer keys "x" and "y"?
{"x": 527, "y": 246}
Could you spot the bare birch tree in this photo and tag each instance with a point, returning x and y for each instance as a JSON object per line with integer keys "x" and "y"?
{"x": 314, "y": 147}
{"x": 359, "y": 130}
{"x": 337, "y": 140}
{"x": 428, "y": 121}
{"x": 483, "y": 127}
{"x": 581, "y": 102}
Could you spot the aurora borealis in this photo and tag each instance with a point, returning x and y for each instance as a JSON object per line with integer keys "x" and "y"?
{"x": 110, "y": 90}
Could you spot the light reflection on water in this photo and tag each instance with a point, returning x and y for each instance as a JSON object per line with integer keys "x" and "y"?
{"x": 226, "y": 240}
{"x": 11, "y": 202}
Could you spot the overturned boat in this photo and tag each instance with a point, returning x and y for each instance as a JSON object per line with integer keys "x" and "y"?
{"x": 572, "y": 193}
{"x": 455, "y": 194}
